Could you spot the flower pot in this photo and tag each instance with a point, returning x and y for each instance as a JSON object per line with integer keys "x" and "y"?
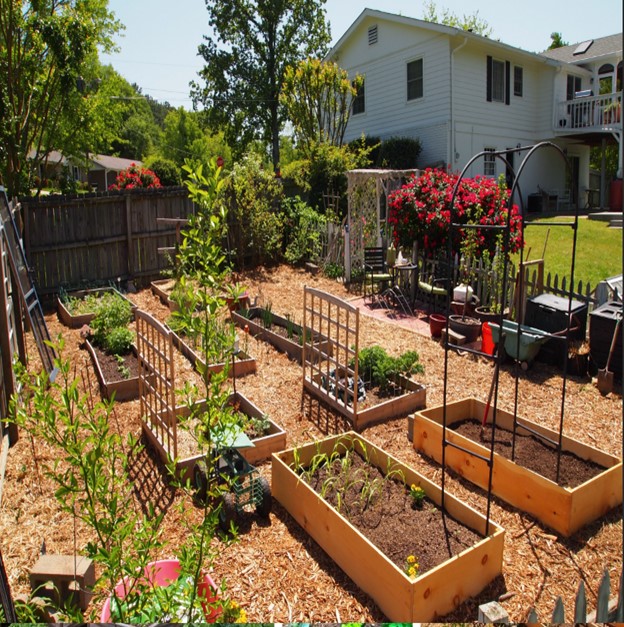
{"x": 437, "y": 322}
{"x": 236, "y": 303}
{"x": 486, "y": 314}
{"x": 160, "y": 574}
{"x": 469, "y": 327}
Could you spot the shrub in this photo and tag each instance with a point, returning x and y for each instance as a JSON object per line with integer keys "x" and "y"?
{"x": 399, "y": 153}
{"x": 420, "y": 212}
{"x": 135, "y": 177}
{"x": 166, "y": 170}
{"x": 302, "y": 230}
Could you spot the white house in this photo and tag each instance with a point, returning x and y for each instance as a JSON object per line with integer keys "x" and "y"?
{"x": 460, "y": 94}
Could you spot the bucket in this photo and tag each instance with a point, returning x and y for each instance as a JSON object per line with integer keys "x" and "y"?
{"x": 487, "y": 343}
{"x": 437, "y": 322}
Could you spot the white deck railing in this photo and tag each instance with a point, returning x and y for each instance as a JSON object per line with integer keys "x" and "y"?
{"x": 589, "y": 113}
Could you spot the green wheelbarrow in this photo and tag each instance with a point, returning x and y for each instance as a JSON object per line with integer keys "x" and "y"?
{"x": 520, "y": 342}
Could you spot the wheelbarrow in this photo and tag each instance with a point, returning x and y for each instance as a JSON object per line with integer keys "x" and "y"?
{"x": 520, "y": 341}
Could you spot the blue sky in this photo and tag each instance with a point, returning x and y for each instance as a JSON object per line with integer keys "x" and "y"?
{"x": 158, "y": 49}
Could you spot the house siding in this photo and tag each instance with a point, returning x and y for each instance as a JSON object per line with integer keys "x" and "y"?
{"x": 384, "y": 66}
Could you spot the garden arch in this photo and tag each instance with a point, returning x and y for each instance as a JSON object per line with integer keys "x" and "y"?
{"x": 367, "y": 194}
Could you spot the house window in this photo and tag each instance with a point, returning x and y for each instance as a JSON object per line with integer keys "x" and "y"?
{"x": 518, "y": 80}
{"x": 415, "y": 79}
{"x": 498, "y": 80}
{"x": 358, "y": 105}
{"x": 489, "y": 162}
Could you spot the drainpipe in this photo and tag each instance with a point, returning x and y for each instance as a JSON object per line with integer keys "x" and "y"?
{"x": 452, "y": 146}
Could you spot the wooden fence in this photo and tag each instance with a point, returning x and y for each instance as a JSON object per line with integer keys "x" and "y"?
{"x": 100, "y": 238}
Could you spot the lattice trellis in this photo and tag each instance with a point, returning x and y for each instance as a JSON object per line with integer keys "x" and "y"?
{"x": 157, "y": 383}
{"x": 368, "y": 191}
{"x": 337, "y": 322}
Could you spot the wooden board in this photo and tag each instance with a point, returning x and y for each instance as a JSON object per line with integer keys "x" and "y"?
{"x": 563, "y": 509}
{"x": 432, "y": 594}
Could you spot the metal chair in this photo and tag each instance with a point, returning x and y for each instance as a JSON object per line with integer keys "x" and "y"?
{"x": 377, "y": 277}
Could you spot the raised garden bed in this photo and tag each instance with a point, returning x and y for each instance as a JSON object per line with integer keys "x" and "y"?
{"x": 110, "y": 375}
{"x": 563, "y": 508}
{"x": 284, "y": 334}
{"x": 162, "y": 288}
{"x": 408, "y": 396}
{"x": 74, "y": 319}
{"x": 242, "y": 365}
{"x": 187, "y": 456}
{"x": 436, "y": 590}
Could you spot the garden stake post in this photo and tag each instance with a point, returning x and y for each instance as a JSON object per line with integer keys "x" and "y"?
{"x": 6, "y": 602}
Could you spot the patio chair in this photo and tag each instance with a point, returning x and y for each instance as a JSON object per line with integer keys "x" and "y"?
{"x": 431, "y": 288}
{"x": 377, "y": 277}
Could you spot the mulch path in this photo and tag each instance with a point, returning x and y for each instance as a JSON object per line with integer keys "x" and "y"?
{"x": 275, "y": 570}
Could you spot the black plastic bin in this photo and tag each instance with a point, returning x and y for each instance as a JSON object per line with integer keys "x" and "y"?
{"x": 602, "y": 322}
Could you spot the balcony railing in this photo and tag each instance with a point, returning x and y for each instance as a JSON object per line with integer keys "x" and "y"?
{"x": 590, "y": 113}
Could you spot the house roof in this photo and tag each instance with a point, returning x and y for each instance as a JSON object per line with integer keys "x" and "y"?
{"x": 113, "y": 163}
{"x": 430, "y": 26}
{"x": 601, "y": 47}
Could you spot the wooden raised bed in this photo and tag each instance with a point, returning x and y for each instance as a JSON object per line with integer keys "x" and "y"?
{"x": 401, "y": 598}
{"x": 414, "y": 397}
{"x": 243, "y": 363}
{"x": 159, "y": 288}
{"x": 123, "y": 389}
{"x": 563, "y": 509}
{"x": 262, "y": 450}
{"x": 76, "y": 321}
{"x": 292, "y": 347}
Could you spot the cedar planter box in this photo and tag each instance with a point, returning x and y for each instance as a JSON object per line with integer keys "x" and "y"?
{"x": 243, "y": 363}
{"x": 414, "y": 397}
{"x": 264, "y": 447}
{"x": 401, "y": 598}
{"x": 77, "y": 321}
{"x": 291, "y": 346}
{"x": 124, "y": 389}
{"x": 563, "y": 509}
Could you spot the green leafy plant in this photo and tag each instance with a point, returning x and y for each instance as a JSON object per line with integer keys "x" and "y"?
{"x": 417, "y": 494}
{"x": 109, "y": 326}
{"x": 376, "y": 366}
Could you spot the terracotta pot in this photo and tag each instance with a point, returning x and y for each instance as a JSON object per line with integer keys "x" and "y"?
{"x": 437, "y": 322}
{"x": 469, "y": 327}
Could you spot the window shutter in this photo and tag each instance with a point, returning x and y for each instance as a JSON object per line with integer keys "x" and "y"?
{"x": 507, "y": 82}
{"x": 489, "y": 78}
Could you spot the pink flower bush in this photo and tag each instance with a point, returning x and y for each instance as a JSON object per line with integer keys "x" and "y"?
{"x": 420, "y": 211}
{"x": 135, "y": 177}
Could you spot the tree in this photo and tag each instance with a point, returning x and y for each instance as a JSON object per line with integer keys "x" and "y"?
{"x": 317, "y": 96}
{"x": 254, "y": 42}
{"x": 557, "y": 41}
{"x": 44, "y": 47}
{"x": 472, "y": 22}
{"x": 181, "y": 130}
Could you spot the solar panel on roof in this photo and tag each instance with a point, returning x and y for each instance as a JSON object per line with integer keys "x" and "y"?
{"x": 584, "y": 47}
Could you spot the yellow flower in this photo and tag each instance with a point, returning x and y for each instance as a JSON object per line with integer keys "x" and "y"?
{"x": 411, "y": 571}
{"x": 411, "y": 559}
{"x": 242, "y": 617}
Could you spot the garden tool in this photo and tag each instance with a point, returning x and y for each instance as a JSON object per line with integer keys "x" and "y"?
{"x": 605, "y": 377}
{"x": 489, "y": 400}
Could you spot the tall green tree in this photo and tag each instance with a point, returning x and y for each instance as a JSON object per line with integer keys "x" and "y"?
{"x": 317, "y": 96}
{"x": 246, "y": 59}
{"x": 472, "y": 22}
{"x": 44, "y": 47}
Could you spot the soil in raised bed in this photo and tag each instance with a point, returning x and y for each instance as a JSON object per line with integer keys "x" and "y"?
{"x": 110, "y": 366}
{"x": 532, "y": 453}
{"x": 390, "y": 521}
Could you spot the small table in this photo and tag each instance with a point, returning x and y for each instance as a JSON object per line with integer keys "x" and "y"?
{"x": 402, "y": 284}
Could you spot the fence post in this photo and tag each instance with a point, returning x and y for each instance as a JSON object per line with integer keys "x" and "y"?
{"x": 129, "y": 236}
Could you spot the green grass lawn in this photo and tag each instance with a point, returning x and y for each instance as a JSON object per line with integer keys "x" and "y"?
{"x": 598, "y": 249}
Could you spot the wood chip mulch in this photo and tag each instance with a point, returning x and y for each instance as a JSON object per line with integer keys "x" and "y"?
{"x": 275, "y": 570}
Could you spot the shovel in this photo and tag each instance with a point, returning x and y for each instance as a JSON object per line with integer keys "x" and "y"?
{"x": 605, "y": 377}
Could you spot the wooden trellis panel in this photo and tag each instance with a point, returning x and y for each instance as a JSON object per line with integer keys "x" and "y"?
{"x": 339, "y": 322}
{"x": 157, "y": 384}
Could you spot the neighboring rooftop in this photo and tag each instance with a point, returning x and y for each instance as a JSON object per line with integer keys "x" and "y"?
{"x": 586, "y": 50}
